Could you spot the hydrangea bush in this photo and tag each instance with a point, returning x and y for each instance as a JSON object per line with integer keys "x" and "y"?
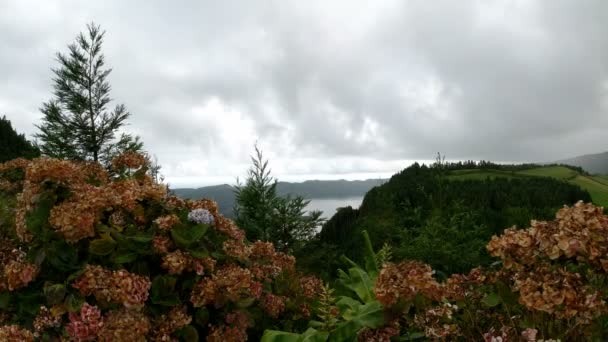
{"x": 95, "y": 256}
{"x": 88, "y": 255}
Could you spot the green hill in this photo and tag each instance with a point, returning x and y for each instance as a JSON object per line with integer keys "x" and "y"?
{"x": 597, "y": 186}
{"x": 445, "y": 214}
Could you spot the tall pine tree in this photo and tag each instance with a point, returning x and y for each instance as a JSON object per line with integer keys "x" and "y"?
{"x": 77, "y": 123}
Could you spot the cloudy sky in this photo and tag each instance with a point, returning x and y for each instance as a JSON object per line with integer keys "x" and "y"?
{"x": 329, "y": 89}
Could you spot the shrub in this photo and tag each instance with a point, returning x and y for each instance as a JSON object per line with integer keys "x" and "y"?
{"x": 94, "y": 256}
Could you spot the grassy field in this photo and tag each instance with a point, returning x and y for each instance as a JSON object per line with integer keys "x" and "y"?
{"x": 596, "y": 185}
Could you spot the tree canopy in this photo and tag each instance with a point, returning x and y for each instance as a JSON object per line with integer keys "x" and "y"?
{"x": 77, "y": 123}
{"x": 14, "y": 145}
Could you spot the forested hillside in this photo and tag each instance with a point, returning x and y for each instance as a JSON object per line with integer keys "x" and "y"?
{"x": 443, "y": 214}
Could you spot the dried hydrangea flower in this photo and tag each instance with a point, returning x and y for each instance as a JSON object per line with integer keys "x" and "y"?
{"x": 86, "y": 325}
{"x": 14, "y": 333}
{"x": 201, "y": 216}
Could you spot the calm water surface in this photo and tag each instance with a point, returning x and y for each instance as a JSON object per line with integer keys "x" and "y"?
{"x": 329, "y": 205}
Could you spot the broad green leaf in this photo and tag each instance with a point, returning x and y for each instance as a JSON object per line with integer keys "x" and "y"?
{"x": 5, "y": 299}
{"x": 371, "y": 262}
{"x": 162, "y": 291}
{"x": 198, "y": 252}
{"x": 103, "y": 246}
{"x": 359, "y": 282}
{"x": 370, "y": 315}
{"x": 125, "y": 257}
{"x": 201, "y": 317}
{"x": 73, "y": 302}
{"x": 54, "y": 293}
{"x": 188, "y": 334}
{"x": 185, "y": 236}
{"x": 310, "y": 335}
{"x": 62, "y": 256}
{"x": 491, "y": 300}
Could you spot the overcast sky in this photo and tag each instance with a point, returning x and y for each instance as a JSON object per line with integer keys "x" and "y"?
{"x": 329, "y": 89}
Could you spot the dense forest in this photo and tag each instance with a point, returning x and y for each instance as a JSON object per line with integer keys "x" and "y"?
{"x": 425, "y": 215}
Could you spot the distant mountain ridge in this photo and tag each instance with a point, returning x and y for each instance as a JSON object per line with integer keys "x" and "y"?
{"x": 596, "y": 163}
{"x": 224, "y": 194}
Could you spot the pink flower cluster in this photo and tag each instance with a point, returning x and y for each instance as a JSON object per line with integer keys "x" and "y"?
{"x": 113, "y": 286}
{"x": 86, "y": 325}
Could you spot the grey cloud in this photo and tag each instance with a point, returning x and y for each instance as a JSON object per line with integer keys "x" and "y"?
{"x": 388, "y": 80}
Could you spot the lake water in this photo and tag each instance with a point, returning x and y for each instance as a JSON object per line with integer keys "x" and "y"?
{"x": 329, "y": 205}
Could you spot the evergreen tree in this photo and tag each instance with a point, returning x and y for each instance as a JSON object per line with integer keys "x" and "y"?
{"x": 77, "y": 123}
{"x": 14, "y": 145}
{"x": 266, "y": 216}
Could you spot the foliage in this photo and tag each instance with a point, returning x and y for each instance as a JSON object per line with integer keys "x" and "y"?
{"x": 95, "y": 255}
{"x": 550, "y": 284}
{"x": 77, "y": 124}
{"x": 14, "y": 145}
{"x": 425, "y": 214}
{"x": 265, "y": 215}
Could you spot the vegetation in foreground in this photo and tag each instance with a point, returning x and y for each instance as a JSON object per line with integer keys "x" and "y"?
{"x": 89, "y": 256}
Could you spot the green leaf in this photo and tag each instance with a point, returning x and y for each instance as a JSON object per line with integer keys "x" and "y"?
{"x": 54, "y": 293}
{"x": 310, "y": 335}
{"x": 188, "y": 334}
{"x": 5, "y": 299}
{"x": 359, "y": 282}
{"x": 162, "y": 291}
{"x": 201, "y": 317}
{"x": 37, "y": 219}
{"x": 371, "y": 262}
{"x": 491, "y": 300}
{"x": 370, "y": 315}
{"x": 185, "y": 236}
{"x": 125, "y": 257}
{"x": 103, "y": 246}
{"x": 199, "y": 252}
{"x": 62, "y": 256}
{"x": 73, "y": 302}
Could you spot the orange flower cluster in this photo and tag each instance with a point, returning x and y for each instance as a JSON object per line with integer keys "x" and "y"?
{"x": 533, "y": 256}
{"x": 235, "y": 330}
{"x": 167, "y": 222}
{"x": 46, "y": 319}
{"x": 17, "y": 273}
{"x": 557, "y": 291}
{"x": 177, "y": 262}
{"x": 272, "y": 305}
{"x": 382, "y": 334}
{"x": 76, "y": 217}
{"x": 403, "y": 281}
{"x": 168, "y": 323}
{"x": 124, "y": 325}
{"x": 579, "y": 232}
{"x": 130, "y": 160}
{"x": 437, "y": 322}
{"x": 14, "y": 333}
{"x": 311, "y": 286}
{"x": 230, "y": 283}
{"x": 113, "y": 286}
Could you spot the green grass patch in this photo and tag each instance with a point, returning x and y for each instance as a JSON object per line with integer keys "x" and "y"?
{"x": 597, "y": 186}
{"x": 558, "y": 172}
{"x": 597, "y": 190}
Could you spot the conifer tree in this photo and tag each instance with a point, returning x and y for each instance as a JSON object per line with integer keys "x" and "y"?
{"x": 14, "y": 145}
{"x": 77, "y": 122}
{"x": 264, "y": 215}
